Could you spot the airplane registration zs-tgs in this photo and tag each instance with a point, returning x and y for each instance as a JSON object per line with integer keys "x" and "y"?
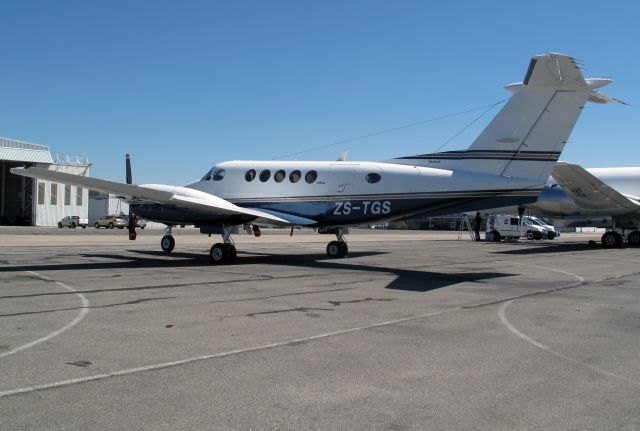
{"x": 507, "y": 164}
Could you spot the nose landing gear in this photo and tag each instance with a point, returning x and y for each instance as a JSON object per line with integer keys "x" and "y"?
{"x": 167, "y": 243}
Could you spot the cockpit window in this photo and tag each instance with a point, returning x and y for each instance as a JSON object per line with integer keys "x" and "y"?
{"x": 373, "y": 178}
{"x": 250, "y": 175}
{"x": 207, "y": 176}
{"x": 218, "y": 174}
{"x": 265, "y": 175}
{"x": 279, "y": 176}
{"x": 294, "y": 176}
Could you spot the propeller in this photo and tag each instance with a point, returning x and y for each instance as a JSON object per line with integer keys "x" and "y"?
{"x": 128, "y": 167}
{"x": 129, "y": 179}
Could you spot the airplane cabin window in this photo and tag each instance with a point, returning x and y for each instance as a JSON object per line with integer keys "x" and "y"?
{"x": 265, "y": 175}
{"x": 250, "y": 175}
{"x": 294, "y": 176}
{"x": 311, "y": 176}
{"x": 217, "y": 174}
{"x": 373, "y": 178}
{"x": 279, "y": 176}
{"x": 207, "y": 176}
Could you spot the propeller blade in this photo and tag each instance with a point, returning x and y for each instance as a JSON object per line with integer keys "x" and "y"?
{"x": 128, "y": 164}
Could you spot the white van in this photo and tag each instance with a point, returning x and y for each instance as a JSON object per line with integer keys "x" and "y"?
{"x": 551, "y": 232}
{"x": 508, "y": 227}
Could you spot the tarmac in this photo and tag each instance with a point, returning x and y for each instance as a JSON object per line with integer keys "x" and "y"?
{"x": 412, "y": 330}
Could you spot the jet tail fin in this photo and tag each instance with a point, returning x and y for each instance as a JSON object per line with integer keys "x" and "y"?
{"x": 530, "y": 132}
{"x": 525, "y": 139}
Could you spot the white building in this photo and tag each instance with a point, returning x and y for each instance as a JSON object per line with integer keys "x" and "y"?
{"x": 25, "y": 201}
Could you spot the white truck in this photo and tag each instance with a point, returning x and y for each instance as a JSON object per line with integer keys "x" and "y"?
{"x": 72, "y": 221}
{"x": 509, "y": 227}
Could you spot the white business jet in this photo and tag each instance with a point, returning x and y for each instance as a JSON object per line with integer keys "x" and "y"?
{"x": 507, "y": 164}
{"x": 601, "y": 197}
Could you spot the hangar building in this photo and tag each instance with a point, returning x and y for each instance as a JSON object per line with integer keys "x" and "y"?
{"x": 25, "y": 201}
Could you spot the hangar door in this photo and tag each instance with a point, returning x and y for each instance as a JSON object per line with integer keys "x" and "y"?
{"x": 16, "y": 196}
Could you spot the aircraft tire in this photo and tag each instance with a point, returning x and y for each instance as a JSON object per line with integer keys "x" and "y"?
{"x": 167, "y": 243}
{"x": 230, "y": 252}
{"x": 634, "y": 238}
{"x": 218, "y": 253}
{"x": 334, "y": 249}
{"x": 611, "y": 239}
{"x": 344, "y": 248}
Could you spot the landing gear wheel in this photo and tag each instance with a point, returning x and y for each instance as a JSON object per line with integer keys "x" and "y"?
{"x": 167, "y": 243}
{"x": 230, "y": 252}
{"x": 611, "y": 239}
{"x": 217, "y": 253}
{"x": 337, "y": 249}
{"x": 634, "y": 238}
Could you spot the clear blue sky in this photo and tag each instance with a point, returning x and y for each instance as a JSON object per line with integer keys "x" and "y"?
{"x": 182, "y": 85}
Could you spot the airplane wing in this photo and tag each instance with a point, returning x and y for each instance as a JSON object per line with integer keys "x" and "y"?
{"x": 178, "y": 197}
{"x": 590, "y": 193}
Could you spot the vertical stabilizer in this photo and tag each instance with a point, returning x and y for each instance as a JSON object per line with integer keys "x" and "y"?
{"x": 529, "y": 133}
{"x": 526, "y": 137}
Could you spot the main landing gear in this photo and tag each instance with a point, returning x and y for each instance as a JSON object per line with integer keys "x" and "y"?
{"x": 338, "y": 248}
{"x": 615, "y": 238}
{"x": 225, "y": 251}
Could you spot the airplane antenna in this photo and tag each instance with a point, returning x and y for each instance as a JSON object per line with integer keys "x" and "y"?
{"x": 393, "y": 129}
{"x": 469, "y": 125}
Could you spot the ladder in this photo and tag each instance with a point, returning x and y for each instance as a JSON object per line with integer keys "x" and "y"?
{"x": 465, "y": 222}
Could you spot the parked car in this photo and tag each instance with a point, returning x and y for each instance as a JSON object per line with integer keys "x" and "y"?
{"x": 549, "y": 229}
{"x": 140, "y": 222}
{"x": 73, "y": 221}
{"x": 111, "y": 221}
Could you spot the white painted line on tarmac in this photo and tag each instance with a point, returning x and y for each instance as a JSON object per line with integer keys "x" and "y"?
{"x": 502, "y": 315}
{"x": 83, "y": 312}
{"x": 163, "y": 365}
{"x": 216, "y": 355}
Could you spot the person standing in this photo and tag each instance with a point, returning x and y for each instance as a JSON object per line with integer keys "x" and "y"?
{"x": 477, "y": 221}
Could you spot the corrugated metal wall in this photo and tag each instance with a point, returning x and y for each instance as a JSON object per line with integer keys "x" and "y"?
{"x": 53, "y": 201}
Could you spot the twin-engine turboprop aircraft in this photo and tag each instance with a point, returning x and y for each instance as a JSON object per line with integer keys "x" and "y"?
{"x": 507, "y": 164}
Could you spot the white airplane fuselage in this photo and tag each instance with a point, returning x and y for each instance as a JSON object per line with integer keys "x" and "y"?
{"x": 343, "y": 193}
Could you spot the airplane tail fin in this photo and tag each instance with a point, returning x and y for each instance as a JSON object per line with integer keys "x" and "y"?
{"x": 526, "y": 137}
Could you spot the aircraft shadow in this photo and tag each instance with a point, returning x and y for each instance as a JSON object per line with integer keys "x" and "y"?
{"x": 551, "y": 248}
{"x": 405, "y": 279}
